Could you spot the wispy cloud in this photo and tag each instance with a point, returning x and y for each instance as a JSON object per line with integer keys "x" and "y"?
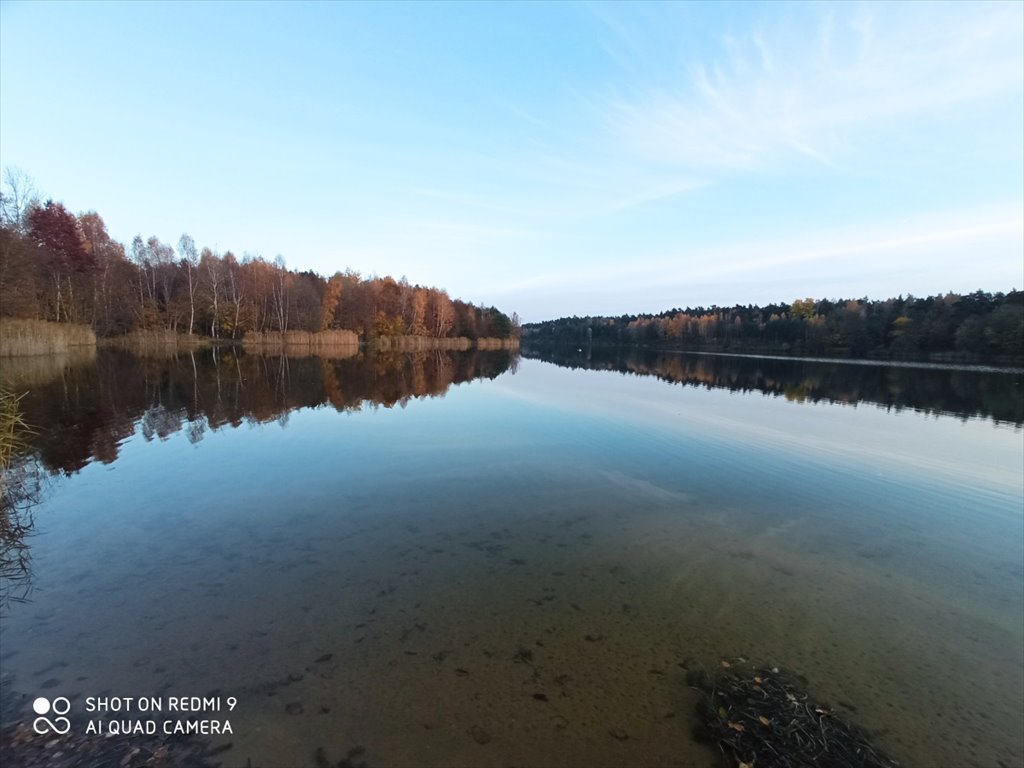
{"x": 779, "y": 91}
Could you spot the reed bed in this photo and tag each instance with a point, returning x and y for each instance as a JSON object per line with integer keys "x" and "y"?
{"x": 20, "y": 338}
{"x": 332, "y": 344}
{"x": 327, "y": 343}
{"x": 491, "y": 343}
{"x": 11, "y": 426}
{"x": 420, "y": 343}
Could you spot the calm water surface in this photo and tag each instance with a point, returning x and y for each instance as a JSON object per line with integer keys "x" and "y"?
{"x": 402, "y": 552}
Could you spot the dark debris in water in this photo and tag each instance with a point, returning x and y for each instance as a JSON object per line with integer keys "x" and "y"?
{"x": 351, "y": 760}
{"x": 763, "y": 718}
{"x": 523, "y": 655}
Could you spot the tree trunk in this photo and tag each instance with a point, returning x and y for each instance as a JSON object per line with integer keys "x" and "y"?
{"x": 57, "y": 277}
{"x": 191, "y": 301}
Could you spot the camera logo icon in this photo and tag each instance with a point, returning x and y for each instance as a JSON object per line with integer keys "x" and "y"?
{"x": 59, "y": 706}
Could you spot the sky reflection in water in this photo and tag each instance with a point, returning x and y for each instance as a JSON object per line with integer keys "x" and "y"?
{"x": 877, "y": 552}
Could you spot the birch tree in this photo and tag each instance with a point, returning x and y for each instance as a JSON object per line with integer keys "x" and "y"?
{"x": 190, "y": 263}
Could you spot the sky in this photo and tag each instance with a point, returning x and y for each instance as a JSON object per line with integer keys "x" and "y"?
{"x": 551, "y": 159}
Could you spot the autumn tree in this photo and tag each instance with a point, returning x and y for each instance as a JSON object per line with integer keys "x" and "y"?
{"x": 57, "y": 266}
{"x": 111, "y": 289}
{"x": 329, "y": 304}
{"x": 440, "y": 314}
{"x": 388, "y": 319}
{"x": 21, "y": 281}
{"x": 418, "y": 312}
{"x": 257, "y": 278}
{"x": 62, "y": 249}
{"x": 306, "y": 298}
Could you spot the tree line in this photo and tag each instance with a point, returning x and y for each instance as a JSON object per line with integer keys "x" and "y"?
{"x": 58, "y": 266}
{"x": 975, "y": 326}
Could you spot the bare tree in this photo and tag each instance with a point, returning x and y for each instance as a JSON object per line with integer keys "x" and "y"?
{"x": 234, "y": 285}
{"x": 280, "y": 293}
{"x": 17, "y": 196}
{"x": 190, "y": 261}
{"x": 161, "y": 259}
{"x": 214, "y": 269}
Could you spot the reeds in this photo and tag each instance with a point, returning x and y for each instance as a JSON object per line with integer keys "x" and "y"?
{"x": 424, "y": 343}
{"x": 11, "y": 424}
{"x": 420, "y": 343}
{"x": 324, "y": 343}
{"x": 297, "y": 342}
{"x": 491, "y": 343}
{"x": 39, "y": 337}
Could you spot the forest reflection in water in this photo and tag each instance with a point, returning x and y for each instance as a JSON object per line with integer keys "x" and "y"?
{"x": 959, "y": 391}
{"x": 80, "y": 407}
{"x": 514, "y": 573}
{"x": 81, "y": 410}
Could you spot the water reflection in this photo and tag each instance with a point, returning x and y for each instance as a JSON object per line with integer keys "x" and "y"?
{"x": 84, "y": 411}
{"x": 956, "y": 391}
{"x": 21, "y": 487}
{"x": 522, "y": 566}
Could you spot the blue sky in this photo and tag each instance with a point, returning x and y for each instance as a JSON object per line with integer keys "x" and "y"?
{"x": 551, "y": 159}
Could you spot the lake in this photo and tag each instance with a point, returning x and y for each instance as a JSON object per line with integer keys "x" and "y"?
{"x": 446, "y": 558}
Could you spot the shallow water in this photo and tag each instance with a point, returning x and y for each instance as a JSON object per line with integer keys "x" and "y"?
{"x": 509, "y": 560}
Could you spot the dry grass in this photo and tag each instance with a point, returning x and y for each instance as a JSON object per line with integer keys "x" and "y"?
{"x": 11, "y": 424}
{"x": 38, "y": 337}
{"x": 491, "y": 343}
{"x": 325, "y": 343}
{"x": 420, "y": 343}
